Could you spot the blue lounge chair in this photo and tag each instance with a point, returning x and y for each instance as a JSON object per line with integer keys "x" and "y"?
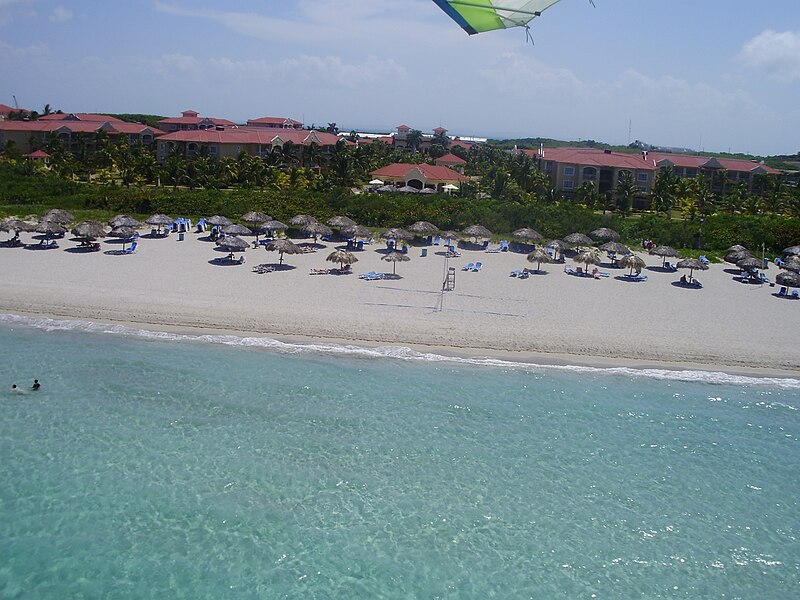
{"x": 704, "y": 259}
{"x": 570, "y": 271}
{"x": 360, "y": 245}
{"x": 485, "y": 244}
{"x": 795, "y": 294}
{"x": 477, "y": 267}
{"x": 516, "y": 273}
{"x": 469, "y": 267}
{"x": 504, "y": 245}
{"x": 437, "y": 240}
{"x": 779, "y": 261}
{"x": 783, "y": 291}
{"x": 131, "y": 249}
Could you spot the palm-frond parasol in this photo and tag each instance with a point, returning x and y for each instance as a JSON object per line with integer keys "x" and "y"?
{"x": 588, "y": 257}
{"x": 236, "y": 229}
{"x": 218, "y": 221}
{"x": 423, "y": 227}
{"x": 50, "y": 228}
{"x": 578, "y": 239}
{"x": 58, "y": 215}
{"x": 604, "y": 233}
{"x": 737, "y": 255}
{"x": 255, "y": 217}
{"x": 528, "y": 234}
{"x": 233, "y": 243}
{"x": 315, "y": 229}
{"x": 16, "y": 225}
{"x": 539, "y": 256}
{"x": 750, "y": 262}
{"x": 301, "y": 220}
{"x": 340, "y": 222}
{"x": 357, "y": 231}
{"x": 89, "y": 230}
{"x": 159, "y": 219}
{"x": 284, "y": 246}
{"x": 664, "y": 252}
{"x": 736, "y": 248}
{"x": 477, "y": 231}
{"x": 788, "y": 278}
{"x": 396, "y": 233}
{"x": 394, "y": 258}
{"x": 636, "y": 263}
{"x": 271, "y": 225}
{"x": 615, "y": 247}
{"x": 343, "y": 257}
{"x": 792, "y": 264}
{"x": 124, "y": 221}
{"x": 791, "y": 251}
{"x": 692, "y": 264}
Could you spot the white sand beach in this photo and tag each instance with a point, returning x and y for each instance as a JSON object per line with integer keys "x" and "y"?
{"x": 726, "y": 325}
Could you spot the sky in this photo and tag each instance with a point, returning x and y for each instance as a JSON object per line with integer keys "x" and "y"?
{"x": 716, "y": 75}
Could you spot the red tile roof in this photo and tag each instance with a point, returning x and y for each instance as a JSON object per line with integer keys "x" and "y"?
{"x": 251, "y": 135}
{"x": 697, "y": 162}
{"x": 38, "y": 154}
{"x": 461, "y": 143}
{"x": 196, "y": 121}
{"x": 430, "y": 172}
{"x": 594, "y": 157}
{"x": 111, "y": 127}
{"x": 274, "y": 121}
{"x": 5, "y": 109}
{"x": 451, "y": 159}
{"x": 86, "y": 117}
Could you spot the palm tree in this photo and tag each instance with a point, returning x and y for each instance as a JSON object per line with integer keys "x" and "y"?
{"x": 625, "y": 191}
{"x": 662, "y": 198}
{"x": 413, "y": 139}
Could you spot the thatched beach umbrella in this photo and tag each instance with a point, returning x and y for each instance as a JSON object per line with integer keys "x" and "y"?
{"x": 124, "y": 221}
{"x": 737, "y": 255}
{"x": 233, "y": 243}
{"x": 271, "y": 225}
{"x": 301, "y": 220}
{"x": 558, "y": 247}
{"x": 736, "y": 248}
{"x": 315, "y": 229}
{"x": 423, "y": 227}
{"x": 159, "y": 219}
{"x": 284, "y": 246}
{"x": 396, "y": 233}
{"x": 236, "y": 229}
{"x": 751, "y": 262}
{"x": 407, "y": 189}
{"x": 788, "y": 278}
{"x": 588, "y": 257}
{"x": 343, "y": 257}
{"x": 357, "y": 231}
{"x": 604, "y": 233}
{"x": 477, "y": 231}
{"x": 539, "y": 256}
{"x": 450, "y": 235}
{"x": 218, "y": 221}
{"x": 527, "y": 234}
{"x": 615, "y": 247}
{"x": 50, "y": 228}
{"x": 792, "y": 264}
{"x": 664, "y": 252}
{"x": 386, "y": 188}
{"x": 124, "y": 233}
{"x": 340, "y": 222}
{"x": 692, "y": 264}
{"x": 578, "y": 239}
{"x": 89, "y": 230}
{"x": 255, "y": 217}
{"x": 634, "y": 262}
{"x": 57, "y": 215}
{"x": 16, "y": 225}
{"x": 394, "y": 258}
{"x": 791, "y": 251}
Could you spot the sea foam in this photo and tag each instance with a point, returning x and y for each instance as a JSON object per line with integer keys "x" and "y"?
{"x": 391, "y": 352}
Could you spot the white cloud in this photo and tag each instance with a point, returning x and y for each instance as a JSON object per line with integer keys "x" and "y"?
{"x": 60, "y": 14}
{"x": 10, "y": 8}
{"x": 775, "y": 53}
{"x": 14, "y": 53}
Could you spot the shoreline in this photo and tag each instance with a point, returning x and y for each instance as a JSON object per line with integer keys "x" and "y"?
{"x": 532, "y": 358}
{"x": 547, "y": 319}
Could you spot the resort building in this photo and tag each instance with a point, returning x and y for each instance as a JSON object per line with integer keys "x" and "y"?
{"x": 451, "y": 161}
{"x": 569, "y": 168}
{"x": 221, "y": 142}
{"x": 419, "y": 176}
{"x": 275, "y": 123}
{"x": 191, "y": 121}
{"x": 73, "y": 130}
{"x": 735, "y": 170}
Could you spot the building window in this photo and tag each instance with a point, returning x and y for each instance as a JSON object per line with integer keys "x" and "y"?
{"x": 642, "y": 177}
{"x": 569, "y": 171}
{"x": 568, "y": 185}
{"x": 212, "y": 149}
{"x": 589, "y": 173}
{"x": 161, "y": 146}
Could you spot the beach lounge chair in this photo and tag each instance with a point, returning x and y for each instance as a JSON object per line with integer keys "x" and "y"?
{"x": 477, "y": 267}
{"x": 704, "y": 259}
{"x": 504, "y": 245}
{"x": 360, "y": 245}
{"x": 795, "y": 294}
{"x": 516, "y": 273}
{"x": 524, "y": 274}
{"x": 779, "y": 261}
{"x": 570, "y": 271}
{"x": 468, "y": 267}
{"x": 437, "y": 240}
{"x": 783, "y": 291}
{"x": 485, "y": 244}
{"x": 131, "y": 249}
{"x": 493, "y": 250}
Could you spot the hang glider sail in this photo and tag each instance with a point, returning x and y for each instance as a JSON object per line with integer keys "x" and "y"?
{"x": 477, "y": 16}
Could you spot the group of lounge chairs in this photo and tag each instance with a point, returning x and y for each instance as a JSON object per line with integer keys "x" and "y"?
{"x": 784, "y": 293}
{"x": 343, "y": 271}
{"x": 579, "y": 272}
{"x": 372, "y": 276}
{"x": 263, "y": 268}
{"x": 474, "y": 267}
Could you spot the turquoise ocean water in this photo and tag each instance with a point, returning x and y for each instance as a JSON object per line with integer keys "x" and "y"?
{"x": 163, "y": 466}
